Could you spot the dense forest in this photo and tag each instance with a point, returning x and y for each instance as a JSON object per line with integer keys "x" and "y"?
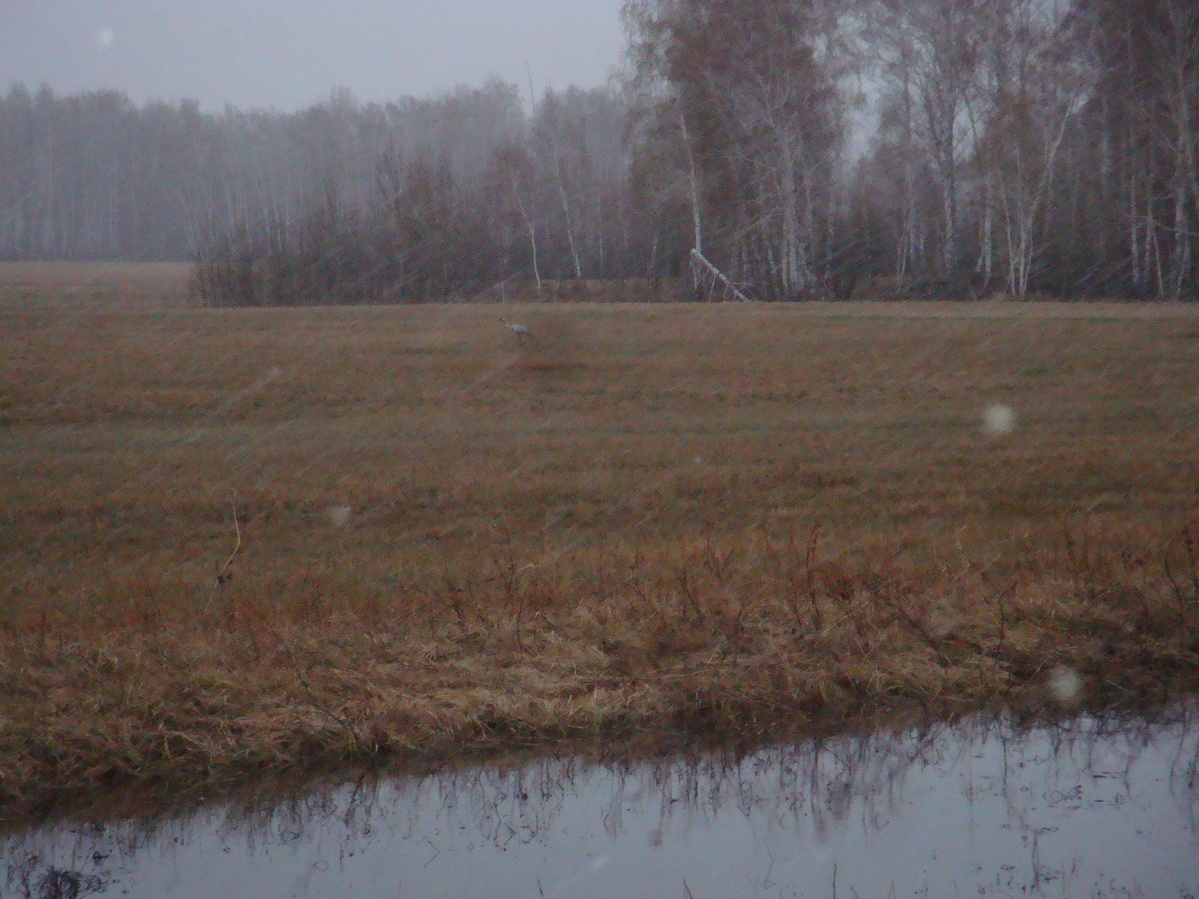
{"x": 783, "y": 149}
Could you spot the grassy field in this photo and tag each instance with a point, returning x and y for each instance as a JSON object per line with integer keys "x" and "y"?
{"x": 92, "y": 285}
{"x": 241, "y": 542}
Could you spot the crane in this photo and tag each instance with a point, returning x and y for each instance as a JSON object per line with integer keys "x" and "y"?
{"x": 520, "y": 331}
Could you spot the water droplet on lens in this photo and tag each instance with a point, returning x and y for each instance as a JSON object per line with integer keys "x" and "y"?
{"x": 1066, "y": 685}
{"x": 999, "y": 419}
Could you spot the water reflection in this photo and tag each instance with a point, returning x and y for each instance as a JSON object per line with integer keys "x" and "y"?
{"x": 1091, "y": 807}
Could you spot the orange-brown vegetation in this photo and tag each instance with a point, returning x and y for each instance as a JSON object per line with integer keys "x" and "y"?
{"x": 93, "y": 285}
{"x": 236, "y": 542}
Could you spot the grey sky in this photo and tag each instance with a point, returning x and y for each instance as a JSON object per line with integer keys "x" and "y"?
{"x": 260, "y": 53}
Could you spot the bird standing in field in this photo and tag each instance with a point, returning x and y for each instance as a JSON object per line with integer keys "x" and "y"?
{"x": 520, "y": 331}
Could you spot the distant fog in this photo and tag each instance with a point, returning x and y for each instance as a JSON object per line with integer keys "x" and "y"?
{"x": 796, "y": 150}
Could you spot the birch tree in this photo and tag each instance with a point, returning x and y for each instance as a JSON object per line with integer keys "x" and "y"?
{"x": 931, "y": 51}
{"x": 758, "y": 115}
{"x": 1048, "y": 76}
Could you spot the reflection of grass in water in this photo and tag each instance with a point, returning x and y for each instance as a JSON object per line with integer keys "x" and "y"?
{"x": 644, "y": 521}
{"x": 803, "y": 786}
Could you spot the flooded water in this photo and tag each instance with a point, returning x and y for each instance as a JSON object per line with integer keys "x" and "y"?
{"x": 1090, "y": 807}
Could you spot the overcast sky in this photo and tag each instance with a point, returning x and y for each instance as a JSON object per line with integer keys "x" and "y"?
{"x": 271, "y": 53}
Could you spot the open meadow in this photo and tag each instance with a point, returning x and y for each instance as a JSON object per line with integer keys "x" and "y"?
{"x": 240, "y": 542}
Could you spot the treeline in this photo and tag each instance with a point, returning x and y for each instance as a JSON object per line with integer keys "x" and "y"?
{"x": 341, "y": 202}
{"x": 1021, "y": 145}
{"x": 799, "y": 148}
{"x": 453, "y": 197}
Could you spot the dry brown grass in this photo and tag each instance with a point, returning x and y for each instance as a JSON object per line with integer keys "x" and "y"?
{"x": 646, "y": 522}
{"x": 94, "y": 285}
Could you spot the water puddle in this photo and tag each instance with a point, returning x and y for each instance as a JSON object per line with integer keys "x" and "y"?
{"x": 1089, "y": 807}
